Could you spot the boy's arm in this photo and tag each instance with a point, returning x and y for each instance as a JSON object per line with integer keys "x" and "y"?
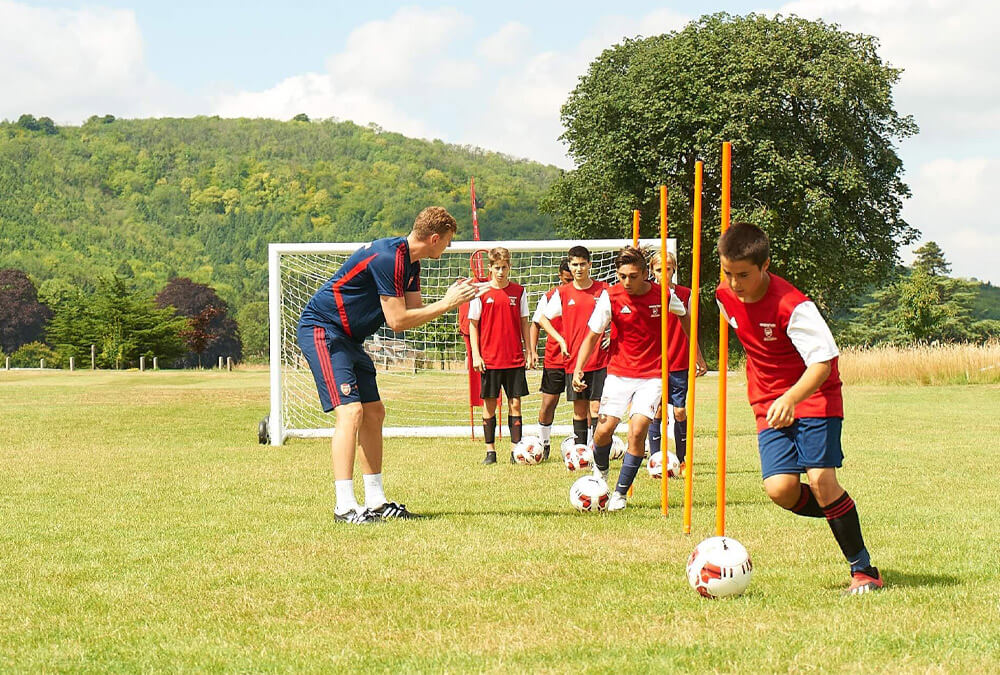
{"x": 700, "y": 367}
{"x": 477, "y": 359}
{"x": 815, "y": 344}
{"x": 586, "y": 349}
{"x": 544, "y": 322}
{"x": 530, "y": 350}
{"x": 782, "y": 411}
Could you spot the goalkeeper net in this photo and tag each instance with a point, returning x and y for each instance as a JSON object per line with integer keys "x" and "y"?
{"x": 422, "y": 374}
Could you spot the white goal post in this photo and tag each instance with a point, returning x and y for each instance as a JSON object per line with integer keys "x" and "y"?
{"x": 422, "y": 375}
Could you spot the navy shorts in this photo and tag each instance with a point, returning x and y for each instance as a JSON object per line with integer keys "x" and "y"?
{"x": 677, "y": 396}
{"x": 808, "y": 443}
{"x": 344, "y": 373}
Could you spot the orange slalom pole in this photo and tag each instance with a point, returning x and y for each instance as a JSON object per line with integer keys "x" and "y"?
{"x": 664, "y": 351}
{"x": 720, "y": 464}
{"x": 693, "y": 351}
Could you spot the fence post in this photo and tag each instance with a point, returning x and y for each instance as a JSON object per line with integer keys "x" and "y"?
{"x": 229, "y": 363}
{"x": 7, "y": 363}
{"x": 220, "y": 363}
{"x": 142, "y": 364}
{"x": 156, "y": 364}
{"x": 72, "y": 364}
{"x": 41, "y": 363}
{"x": 93, "y": 357}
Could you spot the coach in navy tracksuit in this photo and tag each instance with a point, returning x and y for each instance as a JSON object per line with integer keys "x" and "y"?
{"x": 378, "y": 284}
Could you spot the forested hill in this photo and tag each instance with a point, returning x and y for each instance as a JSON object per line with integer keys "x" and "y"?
{"x": 202, "y": 198}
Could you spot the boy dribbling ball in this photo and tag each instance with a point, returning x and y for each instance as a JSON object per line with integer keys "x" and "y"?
{"x": 794, "y": 388}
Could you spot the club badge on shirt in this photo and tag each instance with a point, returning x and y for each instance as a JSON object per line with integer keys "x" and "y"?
{"x": 654, "y": 310}
{"x": 769, "y": 331}
{"x": 513, "y": 301}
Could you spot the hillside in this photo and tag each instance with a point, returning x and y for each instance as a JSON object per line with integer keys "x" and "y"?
{"x": 202, "y": 198}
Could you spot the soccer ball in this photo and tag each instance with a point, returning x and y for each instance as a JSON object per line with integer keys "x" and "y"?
{"x": 566, "y": 446}
{"x": 577, "y": 456}
{"x": 655, "y": 465}
{"x": 589, "y": 494}
{"x": 617, "y": 447}
{"x": 719, "y": 567}
{"x": 528, "y": 451}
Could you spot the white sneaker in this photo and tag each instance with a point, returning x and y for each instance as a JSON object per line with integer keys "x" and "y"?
{"x": 616, "y": 502}
{"x": 603, "y": 475}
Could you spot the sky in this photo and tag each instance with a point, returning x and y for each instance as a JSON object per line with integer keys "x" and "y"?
{"x": 493, "y": 75}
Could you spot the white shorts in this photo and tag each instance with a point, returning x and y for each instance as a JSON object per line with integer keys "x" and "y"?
{"x": 642, "y": 392}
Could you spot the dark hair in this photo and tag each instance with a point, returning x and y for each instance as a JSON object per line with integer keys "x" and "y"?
{"x": 745, "y": 241}
{"x": 630, "y": 256}
{"x": 564, "y": 265}
{"x": 578, "y": 252}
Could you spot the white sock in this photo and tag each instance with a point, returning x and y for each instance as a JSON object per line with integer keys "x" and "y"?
{"x": 345, "y": 496}
{"x": 374, "y": 493}
{"x": 545, "y": 431}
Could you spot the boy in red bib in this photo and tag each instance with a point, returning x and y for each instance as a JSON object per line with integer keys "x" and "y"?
{"x": 498, "y": 332}
{"x": 794, "y": 387}
{"x": 554, "y": 363}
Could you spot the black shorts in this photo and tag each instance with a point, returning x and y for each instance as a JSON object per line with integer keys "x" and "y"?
{"x": 595, "y": 386}
{"x": 554, "y": 380}
{"x": 513, "y": 381}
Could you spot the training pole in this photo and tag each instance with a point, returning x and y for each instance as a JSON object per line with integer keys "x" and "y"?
{"x": 693, "y": 349}
{"x": 664, "y": 351}
{"x": 720, "y": 464}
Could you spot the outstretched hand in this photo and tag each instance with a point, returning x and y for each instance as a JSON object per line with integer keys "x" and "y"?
{"x": 461, "y": 292}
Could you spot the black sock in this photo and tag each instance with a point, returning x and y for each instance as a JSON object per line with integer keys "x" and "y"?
{"x": 807, "y": 504}
{"x": 602, "y": 456}
{"x": 580, "y": 431}
{"x": 514, "y": 424}
{"x": 593, "y": 427}
{"x": 680, "y": 439}
{"x": 630, "y": 467}
{"x": 490, "y": 429}
{"x": 653, "y": 436}
{"x": 842, "y": 515}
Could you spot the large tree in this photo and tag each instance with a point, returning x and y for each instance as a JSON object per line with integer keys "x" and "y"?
{"x": 810, "y": 112}
{"x": 22, "y": 316}
{"x": 211, "y": 332}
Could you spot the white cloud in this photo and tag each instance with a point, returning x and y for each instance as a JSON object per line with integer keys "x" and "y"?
{"x": 954, "y": 204}
{"x": 70, "y": 64}
{"x": 507, "y": 46}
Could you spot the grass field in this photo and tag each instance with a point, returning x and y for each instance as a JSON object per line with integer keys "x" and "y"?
{"x": 143, "y": 529}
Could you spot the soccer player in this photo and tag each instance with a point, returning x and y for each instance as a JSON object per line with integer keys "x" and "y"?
{"x": 378, "y": 284}
{"x": 498, "y": 331}
{"x": 574, "y": 303}
{"x": 794, "y": 389}
{"x": 553, "y": 364}
{"x": 677, "y": 357}
{"x": 633, "y": 307}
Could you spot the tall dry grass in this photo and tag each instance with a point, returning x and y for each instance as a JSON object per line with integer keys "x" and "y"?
{"x": 924, "y": 365}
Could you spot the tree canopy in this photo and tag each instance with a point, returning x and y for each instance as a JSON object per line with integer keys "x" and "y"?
{"x": 22, "y": 316}
{"x": 810, "y": 112}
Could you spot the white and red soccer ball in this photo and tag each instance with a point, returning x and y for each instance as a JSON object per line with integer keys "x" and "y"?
{"x": 589, "y": 493}
{"x": 719, "y": 567}
{"x": 528, "y": 451}
{"x": 576, "y": 456}
{"x": 655, "y": 465}
{"x": 617, "y": 448}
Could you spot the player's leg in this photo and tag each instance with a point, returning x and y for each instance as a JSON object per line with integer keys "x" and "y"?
{"x": 645, "y": 401}
{"x": 553, "y": 381}
{"x": 653, "y": 435}
{"x": 515, "y": 384}
{"x": 818, "y": 443}
{"x": 581, "y": 424}
{"x": 678, "y": 383}
{"x": 781, "y": 471}
{"x": 615, "y": 400}
{"x": 331, "y": 361}
{"x": 490, "y": 391}
{"x": 594, "y": 392}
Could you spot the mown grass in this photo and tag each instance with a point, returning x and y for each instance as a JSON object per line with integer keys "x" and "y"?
{"x": 144, "y": 529}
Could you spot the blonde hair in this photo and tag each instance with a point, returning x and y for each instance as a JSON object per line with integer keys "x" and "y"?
{"x": 499, "y": 254}
{"x": 670, "y": 257}
{"x": 434, "y": 220}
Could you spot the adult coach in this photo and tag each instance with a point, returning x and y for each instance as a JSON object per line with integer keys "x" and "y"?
{"x": 378, "y": 284}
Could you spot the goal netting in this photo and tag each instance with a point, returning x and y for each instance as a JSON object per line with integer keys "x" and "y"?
{"x": 422, "y": 375}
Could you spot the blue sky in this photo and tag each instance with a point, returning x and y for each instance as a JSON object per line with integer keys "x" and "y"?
{"x": 488, "y": 74}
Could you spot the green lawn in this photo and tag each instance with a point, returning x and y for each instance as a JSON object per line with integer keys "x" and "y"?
{"x": 144, "y": 529}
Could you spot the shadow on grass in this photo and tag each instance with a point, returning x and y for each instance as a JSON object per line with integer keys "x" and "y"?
{"x": 900, "y": 579}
